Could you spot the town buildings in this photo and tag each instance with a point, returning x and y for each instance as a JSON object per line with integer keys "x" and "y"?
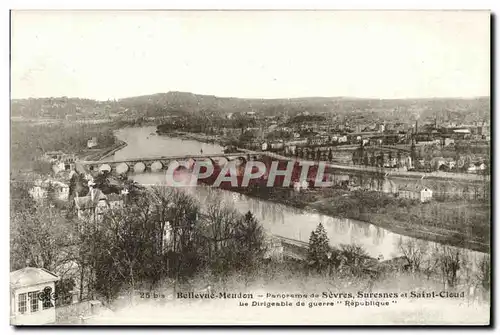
{"x": 95, "y": 204}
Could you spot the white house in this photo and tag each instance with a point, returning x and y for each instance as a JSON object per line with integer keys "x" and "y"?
{"x": 41, "y": 189}
{"x": 472, "y": 168}
{"x": 38, "y": 192}
{"x": 448, "y": 141}
{"x": 296, "y": 186}
{"x": 58, "y": 167}
{"x": 342, "y": 139}
{"x": 92, "y": 143}
{"x": 61, "y": 189}
{"x": 416, "y": 192}
{"x": 32, "y": 297}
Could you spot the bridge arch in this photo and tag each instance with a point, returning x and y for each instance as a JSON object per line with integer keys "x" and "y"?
{"x": 156, "y": 166}
{"x": 139, "y": 167}
{"x": 104, "y": 167}
{"x": 122, "y": 168}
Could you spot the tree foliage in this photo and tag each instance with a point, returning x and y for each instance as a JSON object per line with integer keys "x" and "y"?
{"x": 319, "y": 249}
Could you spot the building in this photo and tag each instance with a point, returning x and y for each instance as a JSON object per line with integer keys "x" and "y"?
{"x": 32, "y": 296}
{"x": 277, "y": 145}
{"x": 406, "y": 163}
{"x": 476, "y": 167}
{"x": 61, "y": 190}
{"x": 438, "y": 162}
{"x": 92, "y": 143}
{"x": 415, "y": 192}
{"x": 38, "y": 192}
{"x": 449, "y": 141}
{"x": 389, "y": 187}
{"x": 96, "y": 203}
{"x": 41, "y": 189}
{"x": 60, "y": 161}
{"x": 342, "y": 139}
{"x": 318, "y": 140}
{"x": 300, "y": 186}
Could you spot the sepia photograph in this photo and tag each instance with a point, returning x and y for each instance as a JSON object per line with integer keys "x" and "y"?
{"x": 250, "y": 167}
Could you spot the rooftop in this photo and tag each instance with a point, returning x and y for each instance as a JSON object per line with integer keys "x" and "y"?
{"x": 31, "y": 276}
{"x": 413, "y": 187}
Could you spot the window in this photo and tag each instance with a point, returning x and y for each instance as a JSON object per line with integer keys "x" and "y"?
{"x": 34, "y": 301}
{"x": 22, "y": 303}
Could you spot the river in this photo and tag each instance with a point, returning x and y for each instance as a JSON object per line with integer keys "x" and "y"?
{"x": 276, "y": 218}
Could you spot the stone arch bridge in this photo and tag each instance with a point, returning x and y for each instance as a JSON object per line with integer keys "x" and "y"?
{"x": 161, "y": 163}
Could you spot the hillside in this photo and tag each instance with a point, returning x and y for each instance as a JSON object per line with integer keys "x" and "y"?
{"x": 183, "y": 103}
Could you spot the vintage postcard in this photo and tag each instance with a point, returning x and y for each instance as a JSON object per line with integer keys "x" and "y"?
{"x": 250, "y": 168}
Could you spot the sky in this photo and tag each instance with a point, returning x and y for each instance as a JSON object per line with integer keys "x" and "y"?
{"x": 264, "y": 54}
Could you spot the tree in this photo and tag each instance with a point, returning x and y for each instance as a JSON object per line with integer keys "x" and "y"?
{"x": 20, "y": 197}
{"x": 39, "y": 237}
{"x": 413, "y": 252}
{"x": 127, "y": 240}
{"x": 484, "y": 273}
{"x": 352, "y": 260}
{"x": 450, "y": 262}
{"x": 381, "y": 159}
{"x": 373, "y": 159}
{"x": 366, "y": 160}
{"x": 78, "y": 186}
{"x": 218, "y": 230}
{"x": 63, "y": 288}
{"x": 250, "y": 239}
{"x": 319, "y": 249}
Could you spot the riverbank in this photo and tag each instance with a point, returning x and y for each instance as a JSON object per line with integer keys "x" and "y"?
{"x": 211, "y": 139}
{"x": 105, "y": 152}
{"x": 459, "y": 224}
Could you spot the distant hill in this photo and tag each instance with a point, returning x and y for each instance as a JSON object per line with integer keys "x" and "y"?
{"x": 184, "y": 103}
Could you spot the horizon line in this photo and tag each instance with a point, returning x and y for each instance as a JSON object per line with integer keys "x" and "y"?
{"x": 255, "y": 98}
